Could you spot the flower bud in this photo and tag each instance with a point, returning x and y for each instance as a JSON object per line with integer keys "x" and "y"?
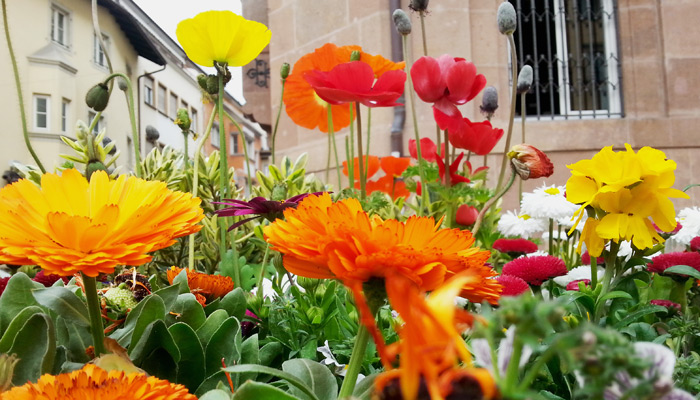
{"x": 308, "y": 284}
{"x": 315, "y": 315}
{"x": 122, "y": 299}
{"x": 418, "y": 5}
{"x": 530, "y": 162}
{"x": 7, "y": 369}
{"x": 507, "y": 18}
{"x": 183, "y": 120}
{"x": 121, "y": 82}
{"x": 466, "y": 215}
{"x": 202, "y": 81}
{"x": 402, "y": 22}
{"x": 355, "y": 55}
{"x": 94, "y": 166}
{"x": 212, "y": 84}
{"x": 525, "y": 79}
{"x": 489, "y": 101}
{"x": 284, "y": 70}
{"x": 97, "y": 97}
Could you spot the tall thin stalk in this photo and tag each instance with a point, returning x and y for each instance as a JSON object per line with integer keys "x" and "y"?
{"x": 514, "y": 56}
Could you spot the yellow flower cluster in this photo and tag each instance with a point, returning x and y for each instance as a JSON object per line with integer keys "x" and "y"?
{"x": 627, "y": 190}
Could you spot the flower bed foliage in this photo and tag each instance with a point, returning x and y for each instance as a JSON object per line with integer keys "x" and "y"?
{"x": 168, "y": 283}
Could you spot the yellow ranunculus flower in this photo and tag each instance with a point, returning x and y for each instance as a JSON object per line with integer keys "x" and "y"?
{"x": 222, "y": 36}
{"x": 626, "y": 189}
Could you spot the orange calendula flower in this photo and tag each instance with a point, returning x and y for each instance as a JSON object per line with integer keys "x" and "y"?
{"x": 431, "y": 345}
{"x": 209, "y": 286}
{"x": 92, "y": 382}
{"x": 70, "y": 225}
{"x": 302, "y": 103}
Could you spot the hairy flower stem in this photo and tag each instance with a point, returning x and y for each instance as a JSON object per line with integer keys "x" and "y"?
{"x": 249, "y": 183}
{"x": 493, "y": 201}
{"x": 351, "y": 142}
{"x": 425, "y": 201}
{"x": 195, "y": 182}
{"x": 277, "y": 121}
{"x": 369, "y": 131}
{"x": 331, "y": 132}
{"x": 363, "y": 192}
{"x": 18, "y": 85}
{"x": 514, "y": 66}
{"x": 449, "y": 211}
{"x": 610, "y": 261}
{"x": 328, "y": 158}
{"x": 356, "y": 359}
{"x": 132, "y": 117}
{"x": 551, "y": 236}
{"x": 522, "y": 137}
{"x": 95, "y": 314}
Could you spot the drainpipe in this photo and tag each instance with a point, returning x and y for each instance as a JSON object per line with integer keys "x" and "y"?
{"x": 138, "y": 94}
{"x": 399, "y": 111}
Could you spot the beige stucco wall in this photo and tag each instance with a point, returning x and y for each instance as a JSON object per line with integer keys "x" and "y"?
{"x": 30, "y": 25}
{"x": 659, "y": 50}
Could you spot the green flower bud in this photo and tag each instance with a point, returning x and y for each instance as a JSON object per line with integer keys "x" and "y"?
{"x": 7, "y": 369}
{"x": 402, "y": 22}
{"x": 525, "y": 79}
{"x": 308, "y": 284}
{"x": 212, "y": 84}
{"x": 418, "y": 5}
{"x": 122, "y": 299}
{"x": 183, "y": 120}
{"x": 355, "y": 55}
{"x": 121, "y": 82}
{"x": 284, "y": 70}
{"x": 315, "y": 315}
{"x": 98, "y": 97}
{"x": 489, "y": 101}
{"x": 507, "y": 18}
{"x": 279, "y": 192}
{"x": 94, "y": 166}
{"x": 202, "y": 80}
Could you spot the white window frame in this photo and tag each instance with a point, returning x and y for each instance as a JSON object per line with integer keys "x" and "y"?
{"x": 65, "y": 114}
{"x": 148, "y": 93}
{"x": 98, "y": 54}
{"x": 234, "y": 148}
{"x": 214, "y": 135}
{"x": 194, "y": 115}
{"x": 162, "y": 105}
{"x": 172, "y": 106}
{"x": 47, "y": 112}
{"x": 99, "y": 125}
{"x": 611, "y": 51}
{"x": 58, "y": 37}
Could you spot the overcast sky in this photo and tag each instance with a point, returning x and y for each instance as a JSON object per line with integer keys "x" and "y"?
{"x": 167, "y": 14}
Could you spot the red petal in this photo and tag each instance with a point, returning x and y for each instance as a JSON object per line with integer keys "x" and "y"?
{"x": 460, "y": 79}
{"x": 428, "y": 81}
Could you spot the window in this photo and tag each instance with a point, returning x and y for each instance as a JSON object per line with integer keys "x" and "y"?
{"x": 572, "y": 47}
{"x": 99, "y": 125}
{"x": 162, "y": 92}
{"x": 65, "y": 109}
{"x": 183, "y": 104}
{"x": 148, "y": 91}
{"x": 214, "y": 135}
{"x": 42, "y": 112}
{"x": 98, "y": 52}
{"x": 234, "y": 144}
{"x": 173, "y": 106}
{"x": 193, "y": 118}
{"x": 59, "y": 26}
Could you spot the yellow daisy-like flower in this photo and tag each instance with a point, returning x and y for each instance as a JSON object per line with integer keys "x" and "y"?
{"x": 70, "y": 225}
{"x": 222, "y": 36}
{"x": 628, "y": 190}
{"x": 94, "y": 383}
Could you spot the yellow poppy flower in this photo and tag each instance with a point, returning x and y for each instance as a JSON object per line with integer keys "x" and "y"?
{"x": 222, "y": 36}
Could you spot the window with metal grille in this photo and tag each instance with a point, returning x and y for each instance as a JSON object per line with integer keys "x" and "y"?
{"x": 572, "y": 47}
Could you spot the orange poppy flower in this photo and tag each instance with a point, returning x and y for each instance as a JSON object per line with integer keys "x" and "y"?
{"x": 372, "y": 163}
{"x": 209, "y": 286}
{"x": 431, "y": 343}
{"x": 389, "y": 185}
{"x": 394, "y": 166}
{"x": 302, "y": 103}
{"x": 93, "y": 382}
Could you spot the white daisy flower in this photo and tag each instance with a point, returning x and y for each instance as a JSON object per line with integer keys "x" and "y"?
{"x": 521, "y": 225}
{"x": 578, "y": 273}
{"x": 548, "y": 202}
{"x": 689, "y": 219}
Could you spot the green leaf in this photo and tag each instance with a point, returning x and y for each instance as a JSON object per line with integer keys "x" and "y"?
{"x": 642, "y": 311}
{"x": 188, "y": 310}
{"x": 683, "y": 270}
{"x": 364, "y": 388}
{"x": 148, "y": 310}
{"x": 76, "y": 339}
{"x": 181, "y": 281}
{"x": 156, "y": 335}
{"x": 269, "y": 352}
{"x": 293, "y": 380}
{"x": 216, "y": 394}
{"x": 35, "y": 346}
{"x": 190, "y": 371}
{"x": 261, "y": 391}
{"x": 316, "y": 376}
{"x": 250, "y": 354}
{"x": 17, "y": 323}
{"x": 63, "y": 302}
{"x": 169, "y": 295}
{"x": 212, "y": 382}
{"x": 614, "y": 295}
{"x": 210, "y": 326}
{"x": 224, "y": 344}
{"x": 17, "y": 296}
{"x": 234, "y": 303}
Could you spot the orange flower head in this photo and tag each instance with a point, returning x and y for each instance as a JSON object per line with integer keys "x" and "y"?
{"x": 372, "y": 163}
{"x": 530, "y": 162}
{"x": 209, "y": 286}
{"x": 70, "y": 225}
{"x": 302, "y": 103}
{"x": 92, "y": 382}
{"x": 394, "y": 166}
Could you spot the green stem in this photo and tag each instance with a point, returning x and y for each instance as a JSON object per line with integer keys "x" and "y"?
{"x": 328, "y": 158}
{"x": 262, "y": 273}
{"x": 355, "y": 364}
{"x": 679, "y": 295}
{"x": 610, "y": 261}
{"x": 277, "y": 121}
{"x": 351, "y": 142}
{"x": 361, "y": 160}
{"x": 422, "y": 31}
{"x": 331, "y": 132}
{"x": 223, "y": 160}
{"x": 511, "y": 41}
{"x": 249, "y": 183}
{"x": 132, "y": 117}
{"x": 94, "y": 312}
{"x": 425, "y": 201}
{"x": 449, "y": 210}
{"x": 551, "y": 236}
{"x": 536, "y": 368}
{"x": 369, "y": 125}
{"x": 195, "y": 181}
{"x": 187, "y": 147}
{"x": 492, "y": 201}
{"x": 513, "y": 369}
{"x": 522, "y": 136}
{"x": 236, "y": 264}
{"x": 18, "y": 85}
{"x": 594, "y": 271}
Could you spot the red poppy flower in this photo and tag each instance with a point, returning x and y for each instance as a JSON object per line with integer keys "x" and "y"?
{"x": 662, "y": 262}
{"x": 455, "y": 178}
{"x": 695, "y": 244}
{"x": 354, "y": 82}
{"x": 466, "y": 215}
{"x": 394, "y": 166}
{"x": 512, "y": 285}
{"x": 428, "y": 149}
{"x": 666, "y": 303}
{"x": 535, "y": 270}
{"x": 574, "y": 285}
{"x": 477, "y": 137}
{"x": 520, "y": 246}
{"x": 530, "y": 162}
{"x": 372, "y": 163}
{"x": 476, "y": 173}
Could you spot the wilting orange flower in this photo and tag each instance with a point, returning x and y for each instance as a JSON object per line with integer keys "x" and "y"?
{"x": 70, "y": 225}
{"x": 92, "y": 382}
{"x": 431, "y": 344}
{"x": 209, "y": 286}
{"x": 302, "y": 103}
